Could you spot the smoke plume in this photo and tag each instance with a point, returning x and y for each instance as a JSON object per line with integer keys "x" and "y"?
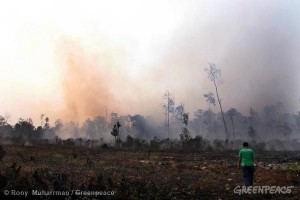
{"x": 86, "y": 85}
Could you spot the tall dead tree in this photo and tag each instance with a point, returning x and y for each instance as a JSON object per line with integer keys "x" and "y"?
{"x": 214, "y": 74}
{"x": 231, "y": 113}
{"x": 169, "y": 108}
{"x": 42, "y": 118}
{"x": 211, "y": 100}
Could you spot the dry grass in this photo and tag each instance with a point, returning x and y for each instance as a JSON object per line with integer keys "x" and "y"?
{"x": 135, "y": 175}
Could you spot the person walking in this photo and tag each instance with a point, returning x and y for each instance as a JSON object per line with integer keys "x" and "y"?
{"x": 248, "y": 162}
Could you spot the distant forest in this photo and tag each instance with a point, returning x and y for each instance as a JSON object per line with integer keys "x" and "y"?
{"x": 205, "y": 125}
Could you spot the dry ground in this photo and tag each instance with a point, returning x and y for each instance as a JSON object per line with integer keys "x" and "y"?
{"x": 140, "y": 175}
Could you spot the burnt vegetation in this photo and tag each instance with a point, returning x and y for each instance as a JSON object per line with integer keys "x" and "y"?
{"x": 273, "y": 129}
{"x": 135, "y": 157}
{"x": 186, "y": 157}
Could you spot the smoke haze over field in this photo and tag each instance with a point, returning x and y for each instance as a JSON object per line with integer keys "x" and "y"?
{"x": 85, "y": 87}
{"x": 75, "y": 62}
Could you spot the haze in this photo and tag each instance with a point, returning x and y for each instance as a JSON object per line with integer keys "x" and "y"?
{"x": 78, "y": 60}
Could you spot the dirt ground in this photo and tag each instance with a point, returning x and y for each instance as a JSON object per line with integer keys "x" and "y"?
{"x": 140, "y": 175}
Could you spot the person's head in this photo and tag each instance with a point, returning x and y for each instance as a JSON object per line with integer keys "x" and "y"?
{"x": 245, "y": 144}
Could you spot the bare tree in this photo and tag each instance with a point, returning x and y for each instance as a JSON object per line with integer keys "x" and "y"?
{"x": 168, "y": 108}
{"x": 42, "y": 118}
{"x": 211, "y": 100}
{"x": 231, "y": 113}
{"x": 214, "y": 74}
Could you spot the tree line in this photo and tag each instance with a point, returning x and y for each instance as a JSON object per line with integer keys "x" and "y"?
{"x": 230, "y": 125}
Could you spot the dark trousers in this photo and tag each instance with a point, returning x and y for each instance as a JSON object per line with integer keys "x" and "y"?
{"x": 248, "y": 175}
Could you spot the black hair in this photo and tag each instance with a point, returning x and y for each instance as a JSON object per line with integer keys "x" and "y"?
{"x": 245, "y": 144}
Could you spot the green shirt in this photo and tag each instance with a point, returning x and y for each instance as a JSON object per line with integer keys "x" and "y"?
{"x": 247, "y": 156}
